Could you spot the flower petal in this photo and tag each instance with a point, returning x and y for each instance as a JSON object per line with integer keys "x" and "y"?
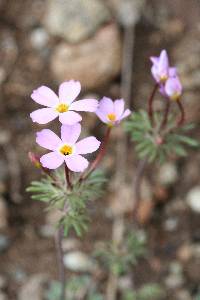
{"x": 102, "y": 116}
{"x": 106, "y": 105}
{"x": 85, "y": 105}
{"x": 119, "y": 107}
{"x": 51, "y": 160}
{"x": 87, "y": 145}
{"x": 70, "y": 118}
{"x": 45, "y": 96}
{"x": 125, "y": 114}
{"x": 70, "y": 134}
{"x": 68, "y": 91}
{"x": 43, "y": 115}
{"x": 48, "y": 139}
{"x": 76, "y": 163}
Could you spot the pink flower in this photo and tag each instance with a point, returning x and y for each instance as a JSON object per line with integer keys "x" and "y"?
{"x": 112, "y": 112}
{"x": 160, "y": 69}
{"x": 63, "y": 106}
{"x": 173, "y": 88}
{"x": 66, "y": 149}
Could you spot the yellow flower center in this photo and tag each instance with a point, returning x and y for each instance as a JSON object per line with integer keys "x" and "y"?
{"x": 62, "y": 107}
{"x": 163, "y": 78}
{"x": 111, "y": 117}
{"x": 175, "y": 96}
{"x": 66, "y": 150}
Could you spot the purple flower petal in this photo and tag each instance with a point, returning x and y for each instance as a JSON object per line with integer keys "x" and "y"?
{"x": 125, "y": 114}
{"x": 43, "y": 115}
{"x": 48, "y": 139}
{"x": 85, "y": 105}
{"x": 45, "y": 96}
{"x": 102, "y": 116}
{"x": 172, "y": 72}
{"x": 69, "y": 118}
{"x": 173, "y": 88}
{"x": 76, "y": 163}
{"x": 87, "y": 145}
{"x": 70, "y": 134}
{"x": 163, "y": 62}
{"x": 68, "y": 91}
{"x": 52, "y": 160}
{"x": 106, "y": 105}
{"x": 118, "y": 107}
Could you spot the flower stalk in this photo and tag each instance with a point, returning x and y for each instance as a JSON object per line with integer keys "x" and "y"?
{"x": 60, "y": 254}
{"x": 100, "y": 155}
{"x": 150, "y": 103}
{"x": 182, "y": 111}
{"x": 166, "y": 114}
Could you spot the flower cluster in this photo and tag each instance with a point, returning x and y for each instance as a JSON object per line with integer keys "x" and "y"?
{"x": 166, "y": 77}
{"x": 66, "y": 149}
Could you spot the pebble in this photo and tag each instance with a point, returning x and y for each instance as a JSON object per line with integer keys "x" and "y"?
{"x": 4, "y": 243}
{"x": 70, "y": 244}
{"x": 3, "y": 282}
{"x": 47, "y": 231}
{"x": 168, "y": 174}
{"x": 94, "y": 62}
{"x": 3, "y": 296}
{"x": 33, "y": 289}
{"x": 78, "y": 262}
{"x": 193, "y": 199}
{"x": 175, "y": 278}
{"x": 3, "y": 214}
{"x": 75, "y": 20}
{"x": 183, "y": 295}
{"x": 39, "y": 38}
{"x": 171, "y": 224}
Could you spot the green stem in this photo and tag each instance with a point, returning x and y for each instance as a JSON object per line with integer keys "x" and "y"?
{"x": 61, "y": 266}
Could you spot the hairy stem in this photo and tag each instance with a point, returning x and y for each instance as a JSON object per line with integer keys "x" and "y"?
{"x": 150, "y": 103}
{"x": 61, "y": 267}
{"x": 100, "y": 155}
{"x": 137, "y": 184}
{"x": 182, "y": 117}
{"x": 165, "y": 116}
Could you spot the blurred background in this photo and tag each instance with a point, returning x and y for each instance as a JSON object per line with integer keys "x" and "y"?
{"x": 45, "y": 42}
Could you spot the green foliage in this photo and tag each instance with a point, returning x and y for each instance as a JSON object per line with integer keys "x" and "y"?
{"x": 150, "y": 291}
{"x": 72, "y": 202}
{"x": 158, "y": 144}
{"x": 77, "y": 287}
{"x": 119, "y": 258}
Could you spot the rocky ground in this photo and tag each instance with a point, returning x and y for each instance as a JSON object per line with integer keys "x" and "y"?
{"x": 42, "y": 42}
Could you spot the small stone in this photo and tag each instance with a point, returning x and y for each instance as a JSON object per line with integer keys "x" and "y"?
{"x": 70, "y": 244}
{"x": 3, "y": 282}
{"x": 168, "y": 174}
{"x": 171, "y": 224}
{"x": 47, "y": 231}
{"x": 4, "y": 243}
{"x": 183, "y": 295}
{"x": 125, "y": 282}
{"x": 3, "y": 296}
{"x": 75, "y": 20}
{"x": 3, "y": 214}
{"x": 33, "y": 289}
{"x": 193, "y": 199}
{"x": 184, "y": 253}
{"x": 78, "y": 262}
{"x": 39, "y": 38}
{"x": 174, "y": 281}
{"x": 78, "y": 61}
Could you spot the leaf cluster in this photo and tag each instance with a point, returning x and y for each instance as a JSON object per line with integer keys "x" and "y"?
{"x": 154, "y": 143}
{"x": 72, "y": 202}
{"x": 119, "y": 258}
{"x": 77, "y": 287}
{"x": 149, "y": 291}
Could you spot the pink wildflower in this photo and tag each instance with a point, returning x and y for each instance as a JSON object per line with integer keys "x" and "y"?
{"x": 112, "y": 112}
{"x": 66, "y": 149}
{"x": 63, "y": 106}
{"x": 173, "y": 88}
